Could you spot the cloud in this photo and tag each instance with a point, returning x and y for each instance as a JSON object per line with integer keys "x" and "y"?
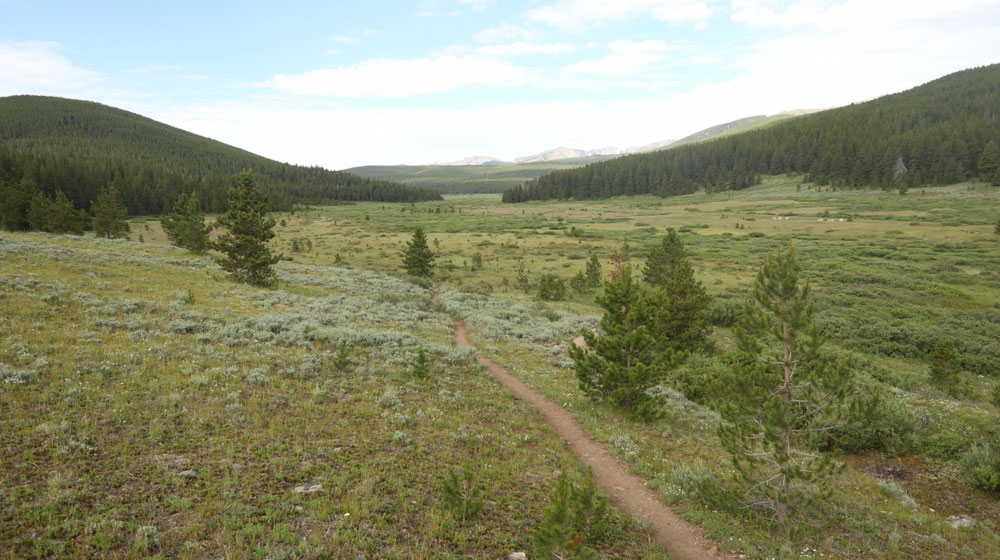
{"x": 477, "y": 5}
{"x": 770, "y": 14}
{"x": 854, "y": 50}
{"x": 402, "y": 78}
{"x": 508, "y": 32}
{"x": 626, "y": 58}
{"x": 37, "y": 67}
{"x": 579, "y": 15}
{"x": 521, "y": 48}
{"x": 342, "y": 136}
{"x": 353, "y": 38}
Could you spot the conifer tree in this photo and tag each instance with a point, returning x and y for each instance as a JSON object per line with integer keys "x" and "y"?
{"x": 594, "y": 273}
{"x": 249, "y": 227}
{"x": 186, "y": 227}
{"x": 945, "y": 366}
{"x": 110, "y": 215}
{"x": 60, "y": 216}
{"x": 38, "y": 212}
{"x": 621, "y": 364}
{"x": 989, "y": 162}
{"x": 681, "y": 301}
{"x": 663, "y": 259}
{"x": 784, "y": 394}
{"x": 574, "y": 520}
{"x": 418, "y": 259}
{"x": 15, "y": 202}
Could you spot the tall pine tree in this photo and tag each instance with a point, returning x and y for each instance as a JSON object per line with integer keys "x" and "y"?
{"x": 110, "y": 215}
{"x": 59, "y": 216}
{"x": 663, "y": 259}
{"x": 681, "y": 301}
{"x": 989, "y": 163}
{"x": 186, "y": 226}
{"x": 418, "y": 259}
{"x": 785, "y": 394}
{"x": 249, "y": 227}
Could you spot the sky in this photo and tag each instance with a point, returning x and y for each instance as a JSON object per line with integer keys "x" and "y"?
{"x": 342, "y": 84}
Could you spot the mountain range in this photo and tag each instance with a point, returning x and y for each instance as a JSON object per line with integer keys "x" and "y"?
{"x": 564, "y": 153}
{"x": 486, "y": 174}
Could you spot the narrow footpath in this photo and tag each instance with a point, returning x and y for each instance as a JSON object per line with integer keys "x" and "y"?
{"x": 628, "y": 492}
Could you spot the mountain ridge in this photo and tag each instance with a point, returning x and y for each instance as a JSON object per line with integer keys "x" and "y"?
{"x": 933, "y": 134}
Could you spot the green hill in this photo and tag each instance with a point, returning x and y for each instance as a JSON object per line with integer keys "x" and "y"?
{"x": 930, "y": 135}
{"x": 496, "y": 178}
{"x": 735, "y": 127}
{"x": 463, "y": 179}
{"x": 81, "y": 146}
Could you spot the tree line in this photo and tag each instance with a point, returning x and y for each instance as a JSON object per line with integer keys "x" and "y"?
{"x": 80, "y": 147}
{"x": 943, "y": 132}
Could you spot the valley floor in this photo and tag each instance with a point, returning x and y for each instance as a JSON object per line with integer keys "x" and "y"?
{"x": 152, "y": 407}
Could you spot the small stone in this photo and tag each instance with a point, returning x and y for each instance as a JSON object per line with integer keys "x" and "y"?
{"x": 338, "y": 449}
{"x": 190, "y": 473}
{"x": 307, "y": 488}
{"x": 299, "y": 509}
{"x": 171, "y": 459}
{"x": 517, "y": 556}
{"x": 961, "y": 521}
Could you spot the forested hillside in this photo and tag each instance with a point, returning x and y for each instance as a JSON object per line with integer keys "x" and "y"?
{"x": 79, "y": 147}
{"x": 942, "y": 132}
{"x": 465, "y": 179}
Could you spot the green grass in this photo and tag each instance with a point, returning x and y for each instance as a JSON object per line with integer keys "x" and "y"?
{"x": 895, "y": 275}
{"x": 886, "y": 290}
{"x": 145, "y": 363}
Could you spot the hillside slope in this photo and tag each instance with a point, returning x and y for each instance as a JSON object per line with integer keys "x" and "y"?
{"x": 81, "y": 146}
{"x": 931, "y": 134}
{"x": 464, "y": 179}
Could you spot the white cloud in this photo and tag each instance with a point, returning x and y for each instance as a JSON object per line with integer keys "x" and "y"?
{"x": 477, "y": 5}
{"x": 37, "y": 67}
{"x": 353, "y": 38}
{"x": 578, "y": 15}
{"x": 401, "y": 78}
{"x": 508, "y": 32}
{"x": 339, "y": 137}
{"x": 763, "y": 14}
{"x": 626, "y": 58}
{"x": 521, "y": 48}
{"x": 849, "y": 51}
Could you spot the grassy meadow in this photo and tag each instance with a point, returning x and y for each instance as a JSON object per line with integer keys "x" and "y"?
{"x": 151, "y": 408}
{"x": 127, "y": 364}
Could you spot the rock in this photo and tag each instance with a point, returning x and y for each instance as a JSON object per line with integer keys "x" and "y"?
{"x": 307, "y": 488}
{"x": 190, "y": 473}
{"x": 579, "y": 342}
{"x": 299, "y": 509}
{"x": 961, "y": 521}
{"x": 517, "y": 556}
{"x": 171, "y": 460}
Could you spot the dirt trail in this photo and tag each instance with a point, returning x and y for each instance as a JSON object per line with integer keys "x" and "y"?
{"x": 628, "y": 492}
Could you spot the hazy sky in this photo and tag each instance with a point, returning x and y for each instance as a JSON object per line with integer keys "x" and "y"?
{"x": 340, "y": 84}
